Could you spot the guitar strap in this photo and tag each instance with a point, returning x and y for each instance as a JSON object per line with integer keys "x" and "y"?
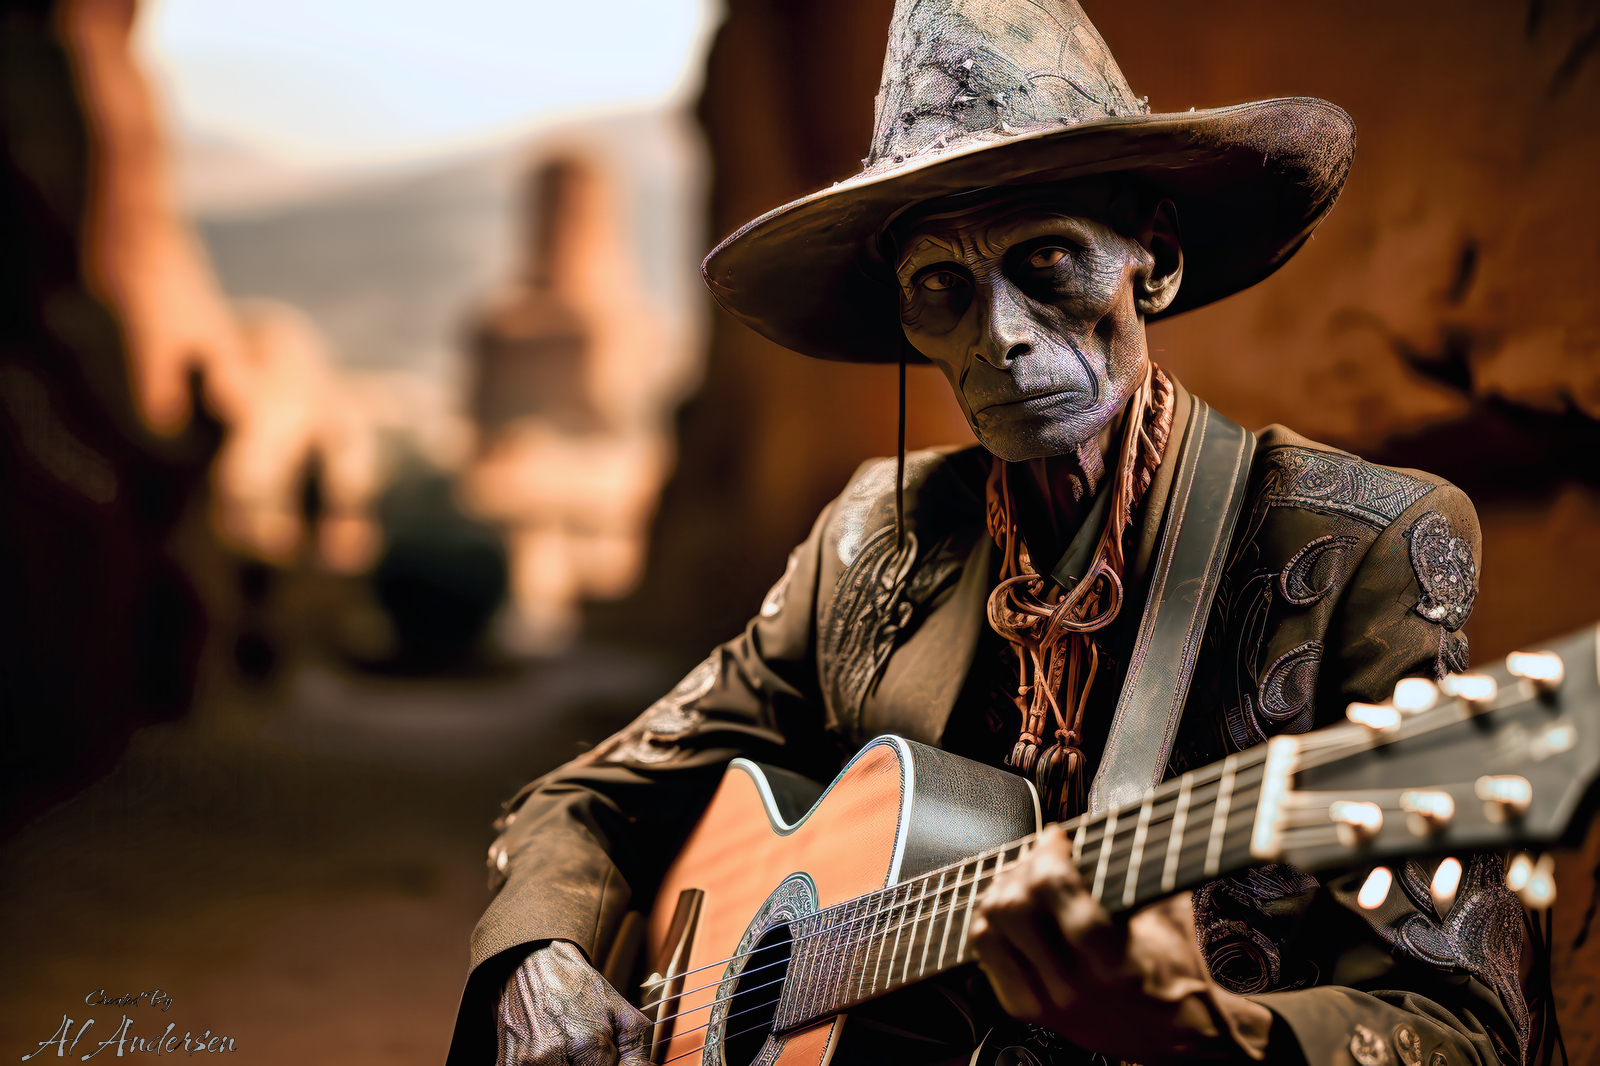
{"x": 1208, "y": 490}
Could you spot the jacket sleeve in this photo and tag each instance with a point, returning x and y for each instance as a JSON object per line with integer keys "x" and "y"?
{"x": 1403, "y": 985}
{"x": 580, "y": 844}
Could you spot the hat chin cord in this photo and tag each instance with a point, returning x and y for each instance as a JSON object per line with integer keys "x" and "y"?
{"x": 900, "y": 461}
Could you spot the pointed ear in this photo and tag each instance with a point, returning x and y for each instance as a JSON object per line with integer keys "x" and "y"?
{"x": 1161, "y": 238}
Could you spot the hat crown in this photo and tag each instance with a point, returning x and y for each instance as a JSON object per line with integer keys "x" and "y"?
{"x": 959, "y": 71}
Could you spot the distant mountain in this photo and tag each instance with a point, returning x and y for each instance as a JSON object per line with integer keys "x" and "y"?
{"x": 389, "y": 264}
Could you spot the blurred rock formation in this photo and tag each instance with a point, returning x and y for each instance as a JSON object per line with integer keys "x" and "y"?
{"x": 100, "y": 628}
{"x": 771, "y": 436}
{"x": 263, "y": 369}
{"x": 577, "y": 366}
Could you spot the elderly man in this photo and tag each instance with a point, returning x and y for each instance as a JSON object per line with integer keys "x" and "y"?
{"x": 1118, "y": 585}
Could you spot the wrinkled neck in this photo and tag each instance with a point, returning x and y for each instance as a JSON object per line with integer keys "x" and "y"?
{"x": 1055, "y": 492}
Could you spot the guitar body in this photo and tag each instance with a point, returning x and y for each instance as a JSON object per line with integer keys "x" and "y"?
{"x": 785, "y": 910}
{"x": 763, "y": 855}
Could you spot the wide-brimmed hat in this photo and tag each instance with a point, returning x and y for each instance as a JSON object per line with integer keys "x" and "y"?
{"x": 982, "y": 93}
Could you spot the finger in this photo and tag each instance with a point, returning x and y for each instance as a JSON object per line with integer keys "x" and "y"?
{"x": 1024, "y": 919}
{"x": 1079, "y": 917}
{"x": 1024, "y": 910}
{"x": 544, "y": 978}
{"x": 592, "y": 1048}
{"x": 1015, "y": 984}
{"x": 634, "y": 1033}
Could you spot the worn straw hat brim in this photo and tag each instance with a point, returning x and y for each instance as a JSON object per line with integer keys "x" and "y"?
{"x": 1250, "y": 182}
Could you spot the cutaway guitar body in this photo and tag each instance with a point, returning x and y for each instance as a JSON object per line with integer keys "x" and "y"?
{"x": 780, "y": 915}
{"x": 898, "y": 810}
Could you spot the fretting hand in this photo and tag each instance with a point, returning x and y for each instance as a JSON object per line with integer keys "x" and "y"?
{"x": 557, "y": 1010}
{"x": 1137, "y": 990}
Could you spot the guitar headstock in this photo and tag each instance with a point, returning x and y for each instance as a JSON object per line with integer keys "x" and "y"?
{"x": 1489, "y": 760}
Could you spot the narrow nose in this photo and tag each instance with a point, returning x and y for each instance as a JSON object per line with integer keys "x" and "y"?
{"x": 1006, "y": 334}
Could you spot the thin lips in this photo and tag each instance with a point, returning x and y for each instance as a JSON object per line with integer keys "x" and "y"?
{"x": 1025, "y": 399}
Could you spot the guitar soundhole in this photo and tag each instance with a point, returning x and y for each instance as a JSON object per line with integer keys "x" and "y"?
{"x": 750, "y": 1012}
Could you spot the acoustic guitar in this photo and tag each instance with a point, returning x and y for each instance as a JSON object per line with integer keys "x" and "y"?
{"x": 786, "y": 909}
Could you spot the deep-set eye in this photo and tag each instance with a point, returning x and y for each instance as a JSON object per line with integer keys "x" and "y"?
{"x": 940, "y": 280}
{"x": 1045, "y": 258}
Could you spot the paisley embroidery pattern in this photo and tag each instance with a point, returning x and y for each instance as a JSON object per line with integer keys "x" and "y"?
{"x": 1295, "y": 579}
{"x": 1242, "y": 923}
{"x": 1480, "y": 935}
{"x": 877, "y": 598}
{"x": 869, "y": 501}
{"x": 1288, "y": 686}
{"x": 1247, "y": 611}
{"x": 653, "y": 736}
{"x": 859, "y": 621}
{"x": 1446, "y": 571}
{"x": 1341, "y": 484}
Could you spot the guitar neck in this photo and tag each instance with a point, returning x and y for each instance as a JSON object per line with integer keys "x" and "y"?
{"x": 1185, "y": 832}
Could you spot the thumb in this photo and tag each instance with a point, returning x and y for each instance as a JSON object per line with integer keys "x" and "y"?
{"x": 634, "y": 1031}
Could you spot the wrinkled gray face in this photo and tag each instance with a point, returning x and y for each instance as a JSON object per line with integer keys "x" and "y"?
{"x": 1035, "y": 313}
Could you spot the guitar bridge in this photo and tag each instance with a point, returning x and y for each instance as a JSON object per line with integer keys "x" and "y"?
{"x": 664, "y": 987}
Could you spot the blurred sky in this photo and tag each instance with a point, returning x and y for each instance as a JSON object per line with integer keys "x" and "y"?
{"x": 360, "y": 81}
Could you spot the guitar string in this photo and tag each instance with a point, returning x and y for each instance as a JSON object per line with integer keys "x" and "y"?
{"x": 941, "y": 908}
{"x": 1117, "y": 867}
{"x": 979, "y": 876}
{"x": 1196, "y": 801}
{"x": 713, "y": 1021}
{"x": 747, "y": 1010}
{"x": 1309, "y": 755}
{"x": 772, "y": 1002}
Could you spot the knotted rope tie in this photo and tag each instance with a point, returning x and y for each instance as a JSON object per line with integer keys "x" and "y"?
{"x": 1049, "y": 628}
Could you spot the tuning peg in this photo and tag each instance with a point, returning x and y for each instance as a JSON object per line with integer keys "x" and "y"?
{"x": 1413, "y": 695}
{"x": 1378, "y": 717}
{"x": 1357, "y": 821}
{"x": 1519, "y": 871}
{"x": 1543, "y": 668}
{"x": 1533, "y": 882}
{"x": 1375, "y": 889}
{"x": 1446, "y": 879}
{"x": 1427, "y": 812}
{"x": 1476, "y": 690}
{"x": 1504, "y": 795}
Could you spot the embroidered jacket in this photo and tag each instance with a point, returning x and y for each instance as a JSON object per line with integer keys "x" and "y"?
{"x": 1342, "y": 578}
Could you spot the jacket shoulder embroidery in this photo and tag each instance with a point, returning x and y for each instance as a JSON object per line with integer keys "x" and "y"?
{"x": 1446, "y": 572}
{"x": 868, "y": 502}
{"x": 1339, "y": 483}
{"x": 880, "y": 596}
{"x": 652, "y": 737}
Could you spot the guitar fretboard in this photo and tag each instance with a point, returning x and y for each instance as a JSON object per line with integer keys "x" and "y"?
{"x": 1185, "y": 832}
